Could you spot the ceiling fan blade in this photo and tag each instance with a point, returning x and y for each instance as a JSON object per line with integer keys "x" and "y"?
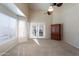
{"x": 57, "y": 4}
{"x": 54, "y": 4}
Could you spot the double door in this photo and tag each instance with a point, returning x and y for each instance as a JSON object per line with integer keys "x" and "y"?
{"x": 37, "y": 30}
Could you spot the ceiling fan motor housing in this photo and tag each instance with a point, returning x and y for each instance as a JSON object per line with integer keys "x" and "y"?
{"x": 49, "y": 13}
{"x": 57, "y": 4}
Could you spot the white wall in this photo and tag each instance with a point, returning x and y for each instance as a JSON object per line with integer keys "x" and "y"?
{"x": 24, "y": 8}
{"x": 22, "y": 29}
{"x": 68, "y": 15}
{"x": 41, "y": 17}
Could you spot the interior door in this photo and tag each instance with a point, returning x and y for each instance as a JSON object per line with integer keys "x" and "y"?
{"x": 37, "y": 30}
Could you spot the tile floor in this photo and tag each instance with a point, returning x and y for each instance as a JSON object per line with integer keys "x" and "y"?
{"x": 43, "y": 48}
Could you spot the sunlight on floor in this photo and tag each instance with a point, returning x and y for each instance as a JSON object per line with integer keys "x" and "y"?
{"x": 36, "y": 40}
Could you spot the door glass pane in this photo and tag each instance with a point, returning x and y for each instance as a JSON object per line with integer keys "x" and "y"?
{"x": 34, "y": 30}
{"x": 40, "y": 30}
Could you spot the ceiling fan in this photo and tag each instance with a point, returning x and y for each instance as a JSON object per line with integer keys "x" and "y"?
{"x": 50, "y": 9}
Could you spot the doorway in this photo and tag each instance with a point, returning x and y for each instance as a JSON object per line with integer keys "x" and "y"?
{"x": 37, "y": 30}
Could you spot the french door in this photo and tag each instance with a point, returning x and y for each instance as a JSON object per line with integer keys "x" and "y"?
{"x": 37, "y": 30}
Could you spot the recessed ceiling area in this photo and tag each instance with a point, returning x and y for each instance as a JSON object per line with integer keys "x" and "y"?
{"x": 38, "y": 6}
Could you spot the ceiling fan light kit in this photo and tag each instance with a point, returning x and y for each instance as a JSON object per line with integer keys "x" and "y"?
{"x": 50, "y": 9}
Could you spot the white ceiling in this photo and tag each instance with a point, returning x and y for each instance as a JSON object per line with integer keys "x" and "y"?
{"x": 32, "y": 7}
{"x": 39, "y": 6}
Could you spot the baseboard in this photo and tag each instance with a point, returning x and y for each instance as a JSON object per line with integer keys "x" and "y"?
{"x": 7, "y": 50}
{"x": 72, "y": 44}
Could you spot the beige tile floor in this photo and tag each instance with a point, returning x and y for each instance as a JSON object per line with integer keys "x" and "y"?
{"x": 44, "y": 48}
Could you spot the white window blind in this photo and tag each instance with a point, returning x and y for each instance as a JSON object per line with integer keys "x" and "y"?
{"x": 7, "y": 27}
